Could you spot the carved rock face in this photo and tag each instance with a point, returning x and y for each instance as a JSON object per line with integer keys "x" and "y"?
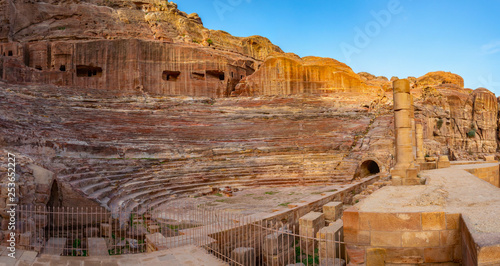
{"x": 28, "y": 21}
{"x": 288, "y": 75}
{"x": 463, "y": 122}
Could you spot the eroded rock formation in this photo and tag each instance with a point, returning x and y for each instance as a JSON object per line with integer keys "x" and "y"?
{"x": 288, "y": 74}
{"x": 126, "y": 66}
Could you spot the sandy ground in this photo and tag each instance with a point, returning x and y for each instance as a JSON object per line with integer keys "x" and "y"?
{"x": 256, "y": 200}
{"x": 451, "y": 190}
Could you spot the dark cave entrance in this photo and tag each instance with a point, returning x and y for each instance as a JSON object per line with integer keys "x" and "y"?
{"x": 55, "y": 196}
{"x": 367, "y": 168}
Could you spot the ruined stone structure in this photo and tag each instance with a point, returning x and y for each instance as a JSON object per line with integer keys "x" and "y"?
{"x": 87, "y": 88}
{"x": 405, "y": 170}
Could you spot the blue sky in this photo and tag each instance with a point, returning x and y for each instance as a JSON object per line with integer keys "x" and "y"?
{"x": 384, "y": 37}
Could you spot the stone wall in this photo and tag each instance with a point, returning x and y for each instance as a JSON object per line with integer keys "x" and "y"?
{"x": 402, "y": 238}
{"x": 488, "y": 174}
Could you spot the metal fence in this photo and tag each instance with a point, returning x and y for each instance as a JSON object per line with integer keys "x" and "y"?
{"x": 232, "y": 237}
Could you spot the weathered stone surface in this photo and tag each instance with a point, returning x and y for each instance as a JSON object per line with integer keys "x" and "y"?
{"x": 463, "y": 133}
{"x": 129, "y": 66}
{"x": 147, "y": 20}
{"x": 440, "y": 77}
{"x": 288, "y": 74}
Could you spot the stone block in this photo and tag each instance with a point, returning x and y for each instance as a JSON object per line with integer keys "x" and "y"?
{"x": 389, "y": 221}
{"x": 283, "y": 258}
{"x": 450, "y": 237}
{"x": 243, "y": 256}
{"x": 155, "y": 242}
{"x": 97, "y": 247}
{"x": 329, "y": 241}
{"x": 105, "y": 230}
{"x": 385, "y": 239}
{"x": 443, "y": 162}
{"x": 433, "y": 221}
{"x": 25, "y": 239}
{"x": 277, "y": 242}
{"x": 411, "y": 182}
{"x": 312, "y": 219}
{"x": 332, "y": 211}
{"x": 350, "y": 218}
{"x": 154, "y": 229}
{"x": 452, "y": 221}
{"x": 357, "y": 237}
{"x": 490, "y": 159}
{"x": 421, "y": 239}
{"x": 356, "y": 254}
{"x": 404, "y": 255}
{"x": 412, "y": 173}
{"x": 375, "y": 256}
{"x": 402, "y": 119}
{"x": 401, "y": 101}
{"x": 438, "y": 254}
{"x": 397, "y": 181}
{"x": 401, "y": 86}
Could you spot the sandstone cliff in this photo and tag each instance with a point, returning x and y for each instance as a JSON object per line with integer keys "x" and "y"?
{"x": 149, "y": 47}
{"x": 288, "y": 74}
{"x": 55, "y": 20}
{"x": 457, "y": 121}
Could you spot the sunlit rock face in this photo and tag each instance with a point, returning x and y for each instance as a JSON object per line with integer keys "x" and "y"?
{"x": 54, "y": 20}
{"x": 127, "y": 65}
{"x": 288, "y": 74}
{"x": 458, "y": 121}
{"x": 149, "y": 46}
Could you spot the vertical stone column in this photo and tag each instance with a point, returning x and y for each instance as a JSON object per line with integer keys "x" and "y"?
{"x": 413, "y": 128}
{"x": 420, "y": 143}
{"x": 404, "y": 172}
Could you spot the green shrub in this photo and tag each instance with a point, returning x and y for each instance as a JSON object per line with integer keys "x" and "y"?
{"x": 471, "y": 133}
{"x": 210, "y": 42}
{"x": 440, "y": 123}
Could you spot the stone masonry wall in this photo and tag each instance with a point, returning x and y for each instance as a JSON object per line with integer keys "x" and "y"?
{"x": 402, "y": 238}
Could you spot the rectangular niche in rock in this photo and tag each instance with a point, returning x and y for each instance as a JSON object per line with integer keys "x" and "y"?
{"x": 216, "y": 74}
{"x": 88, "y": 71}
{"x": 198, "y": 75}
{"x": 170, "y": 75}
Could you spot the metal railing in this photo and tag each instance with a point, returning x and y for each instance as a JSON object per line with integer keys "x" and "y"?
{"x": 232, "y": 237}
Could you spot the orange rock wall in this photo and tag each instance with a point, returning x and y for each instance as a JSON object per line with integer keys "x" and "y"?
{"x": 127, "y": 66}
{"x": 288, "y": 75}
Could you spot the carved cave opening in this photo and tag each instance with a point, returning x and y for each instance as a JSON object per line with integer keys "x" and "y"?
{"x": 198, "y": 75}
{"x": 170, "y": 75}
{"x": 367, "y": 168}
{"x": 10, "y": 53}
{"x": 38, "y": 67}
{"x": 216, "y": 74}
{"x": 55, "y": 197}
{"x": 62, "y": 68}
{"x": 88, "y": 71}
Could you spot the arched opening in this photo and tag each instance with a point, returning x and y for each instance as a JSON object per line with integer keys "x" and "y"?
{"x": 367, "y": 168}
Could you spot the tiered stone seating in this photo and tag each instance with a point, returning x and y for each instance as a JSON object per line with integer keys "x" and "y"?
{"x": 130, "y": 152}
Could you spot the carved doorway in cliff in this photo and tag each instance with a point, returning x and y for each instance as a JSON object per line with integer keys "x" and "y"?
{"x": 367, "y": 168}
{"x": 55, "y": 196}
